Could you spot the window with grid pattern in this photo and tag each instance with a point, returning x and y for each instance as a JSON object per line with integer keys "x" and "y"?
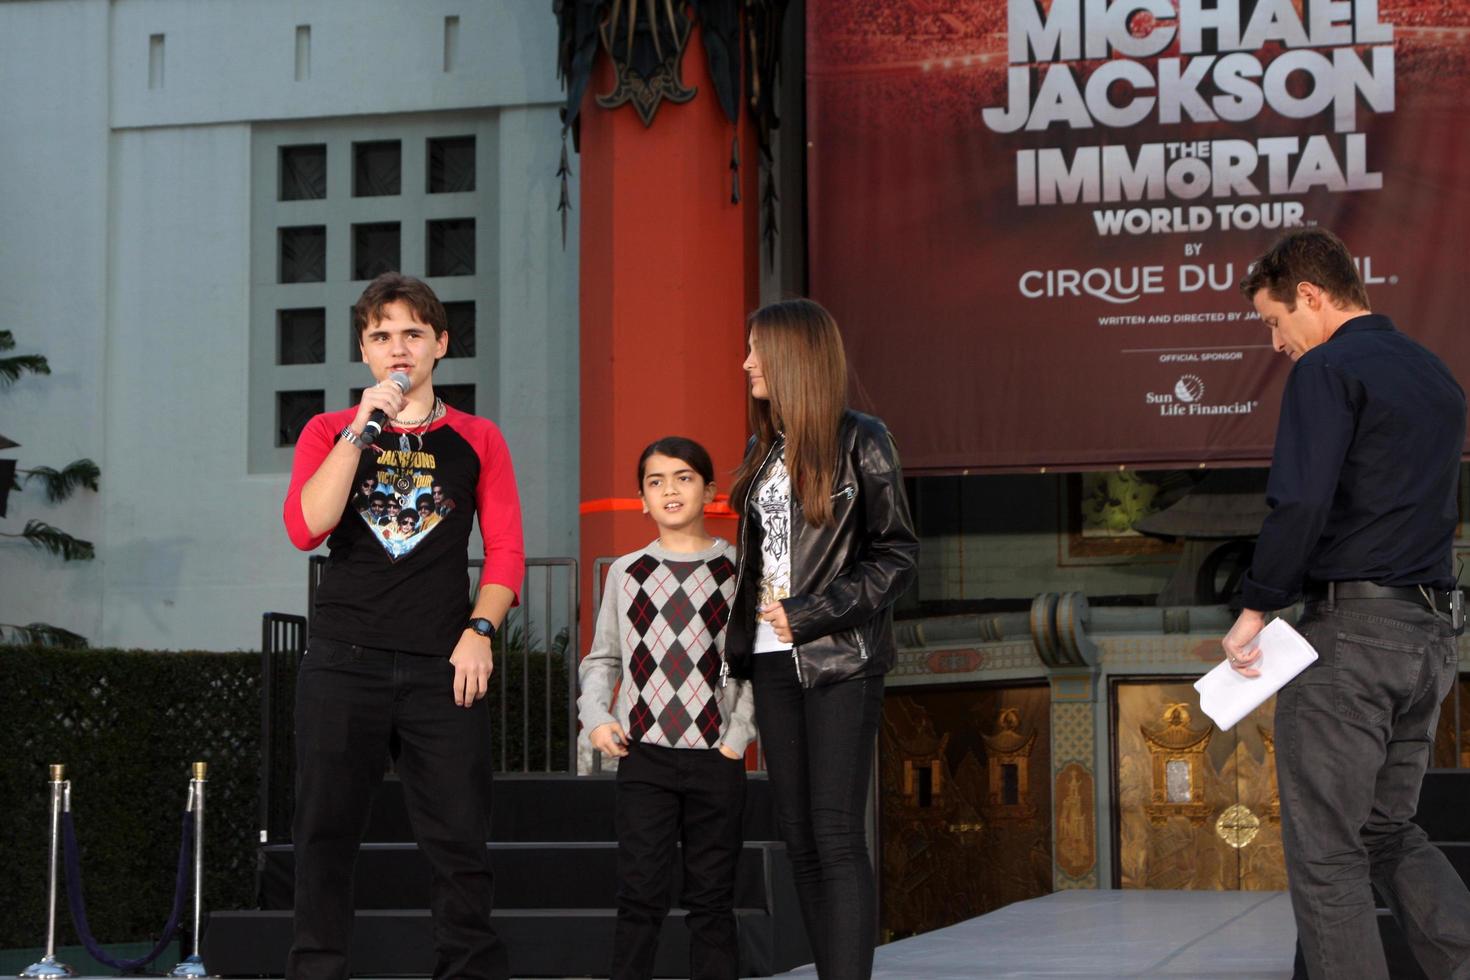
{"x": 336, "y": 204}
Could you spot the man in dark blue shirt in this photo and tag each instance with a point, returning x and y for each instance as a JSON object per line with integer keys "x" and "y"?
{"x": 1363, "y": 495}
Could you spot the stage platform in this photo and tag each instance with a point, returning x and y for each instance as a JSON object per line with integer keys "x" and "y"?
{"x": 1105, "y": 934}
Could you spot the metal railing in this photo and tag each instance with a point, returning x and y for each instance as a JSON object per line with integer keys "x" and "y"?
{"x": 282, "y": 642}
{"x": 544, "y": 629}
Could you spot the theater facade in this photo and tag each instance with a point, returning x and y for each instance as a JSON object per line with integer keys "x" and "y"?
{"x": 1029, "y": 220}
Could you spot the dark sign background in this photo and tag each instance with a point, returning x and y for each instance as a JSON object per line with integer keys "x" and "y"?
{"x": 918, "y": 245}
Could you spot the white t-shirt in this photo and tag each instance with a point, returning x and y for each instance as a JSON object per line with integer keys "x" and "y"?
{"x": 772, "y": 501}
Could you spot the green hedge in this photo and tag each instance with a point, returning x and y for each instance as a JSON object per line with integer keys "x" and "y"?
{"x": 127, "y": 724}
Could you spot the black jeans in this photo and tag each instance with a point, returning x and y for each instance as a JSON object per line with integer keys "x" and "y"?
{"x": 665, "y": 796}
{"x": 1353, "y": 737}
{"x": 819, "y": 750}
{"x": 350, "y": 702}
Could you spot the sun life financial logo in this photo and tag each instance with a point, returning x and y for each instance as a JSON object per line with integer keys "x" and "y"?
{"x": 1187, "y": 399}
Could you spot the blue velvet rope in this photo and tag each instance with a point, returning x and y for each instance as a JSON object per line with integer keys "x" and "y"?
{"x": 79, "y": 907}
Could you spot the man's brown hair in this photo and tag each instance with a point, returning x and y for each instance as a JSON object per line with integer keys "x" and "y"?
{"x": 1313, "y": 255}
{"x": 395, "y": 287}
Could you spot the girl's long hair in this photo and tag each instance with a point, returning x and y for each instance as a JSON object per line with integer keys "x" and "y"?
{"x": 805, "y": 370}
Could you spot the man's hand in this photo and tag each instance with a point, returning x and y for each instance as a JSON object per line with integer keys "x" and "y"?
{"x": 384, "y": 395}
{"x": 473, "y": 665}
{"x": 775, "y": 614}
{"x": 1239, "y": 643}
{"x": 728, "y": 752}
{"x": 609, "y": 739}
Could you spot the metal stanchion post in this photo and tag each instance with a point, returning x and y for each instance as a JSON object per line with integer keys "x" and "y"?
{"x": 193, "y": 966}
{"x": 60, "y": 799}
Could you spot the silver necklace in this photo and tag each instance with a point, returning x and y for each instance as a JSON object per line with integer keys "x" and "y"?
{"x": 415, "y": 423}
{"x": 404, "y": 444}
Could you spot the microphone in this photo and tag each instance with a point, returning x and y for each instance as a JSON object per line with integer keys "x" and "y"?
{"x": 379, "y": 418}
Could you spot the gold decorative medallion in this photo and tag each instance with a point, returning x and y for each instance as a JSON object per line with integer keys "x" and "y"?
{"x": 1238, "y": 826}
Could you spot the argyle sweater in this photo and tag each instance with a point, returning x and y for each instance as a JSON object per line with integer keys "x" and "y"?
{"x": 661, "y": 630}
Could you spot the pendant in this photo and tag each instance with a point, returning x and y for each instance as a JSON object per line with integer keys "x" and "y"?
{"x": 404, "y": 445}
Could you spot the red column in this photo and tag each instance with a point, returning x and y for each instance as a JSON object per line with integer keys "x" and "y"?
{"x": 668, "y": 273}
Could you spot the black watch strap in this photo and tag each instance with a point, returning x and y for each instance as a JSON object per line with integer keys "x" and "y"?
{"x": 482, "y": 626}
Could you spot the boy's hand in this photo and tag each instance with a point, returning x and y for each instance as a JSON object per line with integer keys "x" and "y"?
{"x": 728, "y": 752}
{"x": 384, "y": 395}
{"x": 473, "y": 664}
{"x": 609, "y": 739}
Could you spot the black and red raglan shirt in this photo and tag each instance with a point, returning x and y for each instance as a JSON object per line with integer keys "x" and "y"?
{"x": 397, "y": 574}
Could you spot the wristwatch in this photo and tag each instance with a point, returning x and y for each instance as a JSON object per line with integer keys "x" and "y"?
{"x": 482, "y": 626}
{"x": 361, "y": 442}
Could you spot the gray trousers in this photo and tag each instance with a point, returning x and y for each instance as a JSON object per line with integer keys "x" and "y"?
{"x": 1354, "y": 734}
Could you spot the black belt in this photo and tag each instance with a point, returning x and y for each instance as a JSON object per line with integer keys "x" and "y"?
{"x": 1432, "y": 599}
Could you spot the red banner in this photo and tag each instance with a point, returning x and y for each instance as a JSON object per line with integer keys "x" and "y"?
{"x": 1031, "y": 218}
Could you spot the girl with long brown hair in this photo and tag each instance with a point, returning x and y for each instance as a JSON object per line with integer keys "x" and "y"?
{"x": 826, "y": 548}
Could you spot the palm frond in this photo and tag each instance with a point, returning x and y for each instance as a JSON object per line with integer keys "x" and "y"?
{"x": 56, "y": 541}
{"x": 11, "y": 368}
{"x": 61, "y": 484}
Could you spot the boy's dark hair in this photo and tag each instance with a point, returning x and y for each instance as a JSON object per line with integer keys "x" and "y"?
{"x": 677, "y": 447}
{"x": 1313, "y": 255}
{"x": 395, "y": 287}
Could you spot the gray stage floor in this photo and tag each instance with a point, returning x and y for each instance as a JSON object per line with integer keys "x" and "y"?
{"x": 1104, "y": 934}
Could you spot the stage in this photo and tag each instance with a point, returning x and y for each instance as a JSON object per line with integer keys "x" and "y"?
{"x": 1105, "y": 934}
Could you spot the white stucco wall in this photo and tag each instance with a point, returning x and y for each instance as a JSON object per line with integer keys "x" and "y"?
{"x": 125, "y": 238}
{"x": 53, "y": 264}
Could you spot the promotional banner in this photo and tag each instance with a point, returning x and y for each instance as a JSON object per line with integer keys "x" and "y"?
{"x": 1031, "y": 218}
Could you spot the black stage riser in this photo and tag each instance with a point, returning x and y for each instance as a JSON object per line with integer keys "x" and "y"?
{"x": 1459, "y": 855}
{"x": 527, "y": 876}
{"x": 1444, "y": 805}
{"x": 552, "y": 844}
{"x": 554, "y": 807}
{"x": 541, "y": 944}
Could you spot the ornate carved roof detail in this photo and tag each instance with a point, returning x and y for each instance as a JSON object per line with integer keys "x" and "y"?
{"x": 1175, "y": 735}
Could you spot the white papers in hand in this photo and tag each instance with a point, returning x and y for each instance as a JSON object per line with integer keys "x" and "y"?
{"x": 1227, "y": 696}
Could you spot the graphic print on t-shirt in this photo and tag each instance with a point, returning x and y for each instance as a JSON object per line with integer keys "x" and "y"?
{"x": 400, "y": 499}
{"x": 773, "y": 503}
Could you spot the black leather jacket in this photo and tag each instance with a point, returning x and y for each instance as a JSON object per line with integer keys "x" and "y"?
{"x": 844, "y": 578}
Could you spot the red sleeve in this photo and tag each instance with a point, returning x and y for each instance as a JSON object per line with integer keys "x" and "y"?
{"x": 316, "y": 441}
{"x": 499, "y": 507}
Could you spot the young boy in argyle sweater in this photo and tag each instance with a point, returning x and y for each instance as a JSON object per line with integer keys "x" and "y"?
{"x": 680, "y": 725}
